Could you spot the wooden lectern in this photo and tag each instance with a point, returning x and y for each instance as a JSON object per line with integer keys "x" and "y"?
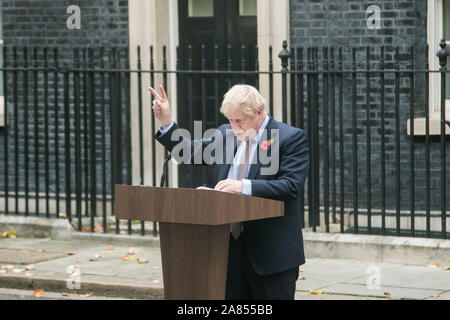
{"x": 194, "y": 232}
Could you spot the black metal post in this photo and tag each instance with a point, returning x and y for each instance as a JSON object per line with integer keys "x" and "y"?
{"x": 152, "y": 84}
{"x": 411, "y": 142}
{"x": 341, "y": 139}
{"x": 368, "y": 144}
{"x": 325, "y": 130}
{"x": 46, "y": 136}
{"x": 284, "y": 56}
{"x": 333, "y": 133}
{"x": 141, "y": 120}
{"x": 6, "y": 136}
{"x": 271, "y": 81}
{"x": 103, "y": 139}
{"x": 67, "y": 159}
{"x": 92, "y": 141}
{"x": 25, "y": 115}
{"x": 355, "y": 143}
{"x": 442, "y": 54}
{"x": 77, "y": 124}
{"x": 56, "y": 123}
{"x": 427, "y": 147}
{"x": 383, "y": 145}
{"x": 397, "y": 140}
{"x": 36, "y": 131}
{"x": 16, "y": 132}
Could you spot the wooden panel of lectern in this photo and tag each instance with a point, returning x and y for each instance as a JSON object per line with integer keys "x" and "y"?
{"x": 194, "y": 230}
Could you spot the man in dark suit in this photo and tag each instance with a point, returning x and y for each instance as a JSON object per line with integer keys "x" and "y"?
{"x": 271, "y": 161}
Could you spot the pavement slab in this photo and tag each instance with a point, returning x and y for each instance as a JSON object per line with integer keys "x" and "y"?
{"x": 384, "y": 291}
{"x": 432, "y": 278}
{"x": 319, "y": 273}
{"x": 24, "y": 256}
{"x": 101, "y": 269}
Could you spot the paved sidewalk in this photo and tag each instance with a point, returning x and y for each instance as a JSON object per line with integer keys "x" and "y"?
{"x": 99, "y": 266}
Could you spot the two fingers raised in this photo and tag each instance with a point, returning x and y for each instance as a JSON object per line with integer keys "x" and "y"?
{"x": 160, "y": 98}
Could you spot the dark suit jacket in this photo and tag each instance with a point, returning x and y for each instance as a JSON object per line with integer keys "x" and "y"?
{"x": 276, "y": 244}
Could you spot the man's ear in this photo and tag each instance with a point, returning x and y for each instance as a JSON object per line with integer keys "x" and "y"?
{"x": 259, "y": 111}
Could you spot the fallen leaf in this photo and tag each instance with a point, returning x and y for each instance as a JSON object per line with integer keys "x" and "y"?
{"x": 48, "y": 238}
{"x": 131, "y": 251}
{"x": 315, "y": 291}
{"x": 2, "y": 235}
{"x": 39, "y": 293}
{"x": 85, "y": 229}
{"x": 433, "y": 264}
{"x": 125, "y": 258}
{"x": 11, "y": 234}
{"x": 18, "y": 270}
{"x": 3, "y": 270}
{"x": 134, "y": 259}
{"x": 142, "y": 261}
{"x": 29, "y": 267}
{"x": 435, "y": 295}
{"x": 9, "y": 266}
{"x": 86, "y": 295}
{"x": 97, "y": 258}
{"x": 98, "y": 228}
{"x": 65, "y": 294}
{"x": 387, "y": 293}
{"x": 70, "y": 253}
{"x": 446, "y": 269}
{"x": 302, "y": 278}
{"x": 110, "y": 249}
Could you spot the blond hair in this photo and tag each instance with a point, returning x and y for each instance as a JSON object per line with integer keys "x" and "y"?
{"x": 245, "y": 97}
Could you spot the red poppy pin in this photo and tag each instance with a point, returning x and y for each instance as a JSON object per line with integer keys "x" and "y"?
{"x": 265, "y": 145}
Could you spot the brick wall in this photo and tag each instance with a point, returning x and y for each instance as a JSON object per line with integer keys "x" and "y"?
{"x": 42, "y": 24}
{"x": 343, "y": 23}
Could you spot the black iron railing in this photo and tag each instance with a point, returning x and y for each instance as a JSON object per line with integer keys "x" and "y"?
{"x": 68, "y": 134}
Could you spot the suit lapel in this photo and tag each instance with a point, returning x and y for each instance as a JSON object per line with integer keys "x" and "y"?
{"x": 254, "y": 168}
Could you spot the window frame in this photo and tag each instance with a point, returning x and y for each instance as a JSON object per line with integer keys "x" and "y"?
{"x": 435, "y": 30}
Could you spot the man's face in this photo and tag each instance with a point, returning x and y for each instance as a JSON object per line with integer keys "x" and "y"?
{"x": 244, "y": 126}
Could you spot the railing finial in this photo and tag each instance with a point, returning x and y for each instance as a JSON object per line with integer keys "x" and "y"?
{"x": 442, "y": 54}
{"x": 284, "y": 56}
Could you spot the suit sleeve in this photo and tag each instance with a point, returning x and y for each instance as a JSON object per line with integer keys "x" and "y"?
{"x": 292, "y": 174}
{"x": 178, "y": 143}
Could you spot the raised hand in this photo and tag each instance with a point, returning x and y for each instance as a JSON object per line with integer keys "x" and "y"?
{"x": 161, "y": 106}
